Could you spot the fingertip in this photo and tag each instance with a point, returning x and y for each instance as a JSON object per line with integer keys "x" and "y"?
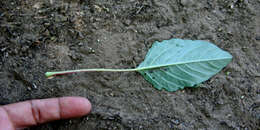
{"x": 74, "y": 107}
{"x": 89, "y": 106}
{"x": 85, "y": 104}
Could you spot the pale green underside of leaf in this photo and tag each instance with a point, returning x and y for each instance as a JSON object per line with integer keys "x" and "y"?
{"x": 176, "y": 63}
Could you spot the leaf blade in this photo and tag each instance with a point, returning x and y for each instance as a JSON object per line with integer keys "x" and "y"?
{"x": 184, "y": 63}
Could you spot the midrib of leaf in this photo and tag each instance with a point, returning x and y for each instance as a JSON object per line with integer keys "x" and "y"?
{"x": 180, "y": 63}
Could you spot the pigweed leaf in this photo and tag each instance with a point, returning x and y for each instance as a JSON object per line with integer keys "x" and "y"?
{"x": 174, "y": 64}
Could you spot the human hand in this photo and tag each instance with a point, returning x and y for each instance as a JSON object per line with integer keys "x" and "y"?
{"x": 28, "y": 113}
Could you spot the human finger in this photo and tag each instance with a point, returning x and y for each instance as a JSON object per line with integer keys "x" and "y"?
{"x": 33, "y": 112}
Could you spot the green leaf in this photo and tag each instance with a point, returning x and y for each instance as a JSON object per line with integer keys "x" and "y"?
{"x": 176, "y": 63}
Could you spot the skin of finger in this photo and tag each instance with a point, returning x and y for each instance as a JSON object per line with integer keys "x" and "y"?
{"x": 5, "y": 123}
{"x": 20, "y": 114}
{"x": 71, "y": 108}
{"x": 46, "y": 110}
{"x": 30, "y": 113}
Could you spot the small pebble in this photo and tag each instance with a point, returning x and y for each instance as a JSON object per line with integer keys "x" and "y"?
{"x": 80, "y": 44}
{"x": 257, "y": 38}
{"x": 187, "y": 2}
{"x": 29, "y": 88}
{"x": 229, "y": 115}
{"x": 34, "y": 86}
{"x": 37, "y": 5}
{"x": 257, "y": 102}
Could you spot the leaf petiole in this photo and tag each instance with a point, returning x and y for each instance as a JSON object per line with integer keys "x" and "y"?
{"x": 52, "y": 74}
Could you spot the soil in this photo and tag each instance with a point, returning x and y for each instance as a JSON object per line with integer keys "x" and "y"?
{"x": 37, "y": 36}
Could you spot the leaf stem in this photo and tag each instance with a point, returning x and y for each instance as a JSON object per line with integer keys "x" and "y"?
{"x": 52, "y": 74}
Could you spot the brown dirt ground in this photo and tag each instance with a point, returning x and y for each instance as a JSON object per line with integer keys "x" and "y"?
{"x": 45, "y": 35}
